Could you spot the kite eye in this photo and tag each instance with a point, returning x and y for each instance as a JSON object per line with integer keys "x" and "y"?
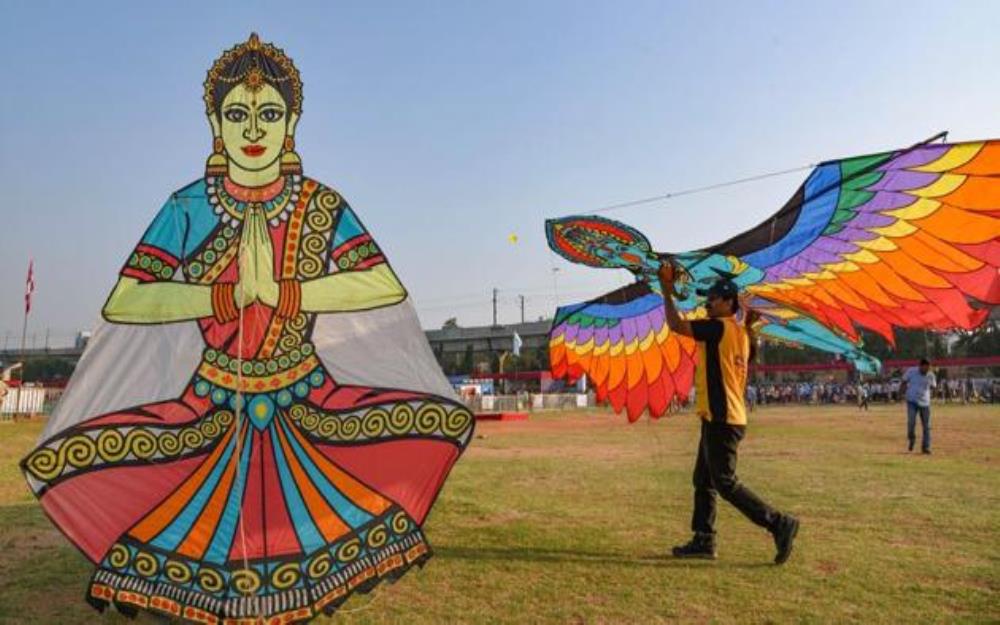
{"x": 236, "y": 115}
{"x": 271, "y": 114}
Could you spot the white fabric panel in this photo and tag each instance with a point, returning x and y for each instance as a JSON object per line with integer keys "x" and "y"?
{"x": 384, "y": 348}
{"x": 127, "y": 365}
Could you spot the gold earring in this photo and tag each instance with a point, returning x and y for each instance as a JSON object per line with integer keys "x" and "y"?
{"x": 290, "y": 161}
{"x": 217, "y": 164}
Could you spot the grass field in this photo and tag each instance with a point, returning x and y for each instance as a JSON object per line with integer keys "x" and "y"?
{"x": 567, "y": 519}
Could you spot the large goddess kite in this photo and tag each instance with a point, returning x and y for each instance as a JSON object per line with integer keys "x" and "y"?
{"x": 903, "y": 239}
{"x": 258, "y": 428}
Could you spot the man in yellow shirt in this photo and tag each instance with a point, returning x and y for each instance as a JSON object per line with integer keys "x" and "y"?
{"x": 724, "y": 353}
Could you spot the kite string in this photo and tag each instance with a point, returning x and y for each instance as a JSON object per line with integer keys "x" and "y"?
{"x": 239, "y": 376}
{"x": 239, "y": 410}
{"x": 771, "y": 174}
{"x": 701, "y": 189}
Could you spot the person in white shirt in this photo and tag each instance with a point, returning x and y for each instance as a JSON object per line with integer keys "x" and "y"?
{"x": 917, "y": 385}
{"x": 862, "y": 396}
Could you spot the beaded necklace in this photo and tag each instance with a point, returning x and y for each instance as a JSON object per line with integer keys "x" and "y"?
{"x": 232, "y": 210}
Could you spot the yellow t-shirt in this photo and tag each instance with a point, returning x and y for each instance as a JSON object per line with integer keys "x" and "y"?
{"x": 721, "y": 375}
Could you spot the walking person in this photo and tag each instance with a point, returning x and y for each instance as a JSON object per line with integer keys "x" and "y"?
{"x": 724, "y": 353}
{"x": 916, "y": 388}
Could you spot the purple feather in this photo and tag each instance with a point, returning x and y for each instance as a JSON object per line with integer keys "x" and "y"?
{"x": 872, "y": 220}
{"x": 916, "y": 158}
{"x": 834, "y": 244}
{"x": 903, "y": 180}
{"x": 629, "y": 332}
{"x": 886, "y": 200}
{"x": 600, "y": 336}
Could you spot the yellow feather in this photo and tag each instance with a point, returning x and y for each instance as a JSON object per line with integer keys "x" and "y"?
{"x": 918, "y": 210}
{"x": 782, "y": 313}
{"x": 631, "y": 347}
{"x": 821, "y": 275}
{"x": 942, "y": 186}
{"x": 880, "y": 244}
{"x": 662, "y": 335}
{"x": 646, "y": 342}
{"x": 843, "y": 267}
{"x": 897, "y": 230}
{"x": 585, "y": 347}
{"x": 863, "y": 256}
{"x": 955, "y": 157}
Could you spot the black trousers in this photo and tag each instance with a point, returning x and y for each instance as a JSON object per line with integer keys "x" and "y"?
{"x": 715, "y": 473}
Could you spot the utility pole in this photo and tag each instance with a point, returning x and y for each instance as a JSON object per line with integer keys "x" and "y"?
{"x": 494, "y": 307}
{"x": 522, "y": 308}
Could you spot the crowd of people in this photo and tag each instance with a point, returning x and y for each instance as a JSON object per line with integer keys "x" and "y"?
{"x": 878, "y": 390}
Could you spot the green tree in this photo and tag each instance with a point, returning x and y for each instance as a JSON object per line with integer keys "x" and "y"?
{"x": 982, "y": 342}
{"x": 468, "y": 360}
{"x": 47, "y": 369}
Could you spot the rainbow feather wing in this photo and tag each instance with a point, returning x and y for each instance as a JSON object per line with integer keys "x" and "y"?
{"x": 621, "y": 342}
{"x": 900, "y": 239}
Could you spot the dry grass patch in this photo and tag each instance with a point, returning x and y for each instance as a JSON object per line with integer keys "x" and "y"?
{"x": 566, "y": 518}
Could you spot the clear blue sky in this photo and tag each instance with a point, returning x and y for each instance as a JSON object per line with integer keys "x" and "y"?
{"x": 450, "y": 126}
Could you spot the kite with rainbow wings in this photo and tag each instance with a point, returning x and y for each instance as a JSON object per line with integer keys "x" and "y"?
{"x": 902, "y": 239}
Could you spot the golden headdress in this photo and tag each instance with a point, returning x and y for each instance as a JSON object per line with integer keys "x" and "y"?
{"x": 253, "y": 63}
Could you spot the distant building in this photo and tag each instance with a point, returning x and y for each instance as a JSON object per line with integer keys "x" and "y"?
{"x": 82, "y": 338}
{"x": 478, "y": 349}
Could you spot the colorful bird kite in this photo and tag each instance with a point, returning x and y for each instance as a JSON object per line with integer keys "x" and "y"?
{"x": 259, "y": 428}
{"x": 902, "y": 239}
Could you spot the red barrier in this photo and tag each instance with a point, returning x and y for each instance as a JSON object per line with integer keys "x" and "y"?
{"x": 501, "y": 416}
{"x": 961, "y": 361}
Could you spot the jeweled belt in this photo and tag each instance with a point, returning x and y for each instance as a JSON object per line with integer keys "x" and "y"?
{"x": 258, "y": 376}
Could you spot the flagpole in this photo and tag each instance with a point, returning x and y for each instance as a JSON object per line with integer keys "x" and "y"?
{"x": 20, "y": 370}
{"x": 28, "y": 290}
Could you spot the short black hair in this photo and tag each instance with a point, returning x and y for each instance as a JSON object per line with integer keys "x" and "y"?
{"x": 924, "y": 361}
{"x": 723, "y": 288}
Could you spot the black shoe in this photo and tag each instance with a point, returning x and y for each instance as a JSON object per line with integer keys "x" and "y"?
{"x": 926, "y": 451}
{"x": 701, "y": 547}
{"x": 910, "y": 448}
{"x": 784, "y": 536}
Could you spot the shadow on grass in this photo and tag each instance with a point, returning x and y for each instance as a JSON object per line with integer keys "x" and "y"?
{"x": 534, "y": 554}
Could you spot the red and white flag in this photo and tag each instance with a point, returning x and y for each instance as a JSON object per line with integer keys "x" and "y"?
{"x": 29, "y": 286}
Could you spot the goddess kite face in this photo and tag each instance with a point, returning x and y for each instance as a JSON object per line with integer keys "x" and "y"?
{"x": 253, "y": 126}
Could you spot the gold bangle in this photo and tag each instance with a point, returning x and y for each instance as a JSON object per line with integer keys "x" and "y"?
{"x": 223, "y": 303}
{"x": 289, "y": 298}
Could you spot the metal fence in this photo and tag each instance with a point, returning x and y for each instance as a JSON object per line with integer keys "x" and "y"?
{"x": 24, "y": 400}
{"x": 529, "y": 402}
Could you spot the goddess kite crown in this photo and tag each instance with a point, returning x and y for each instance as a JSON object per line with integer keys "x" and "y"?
{"x": 251, "y": 73}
